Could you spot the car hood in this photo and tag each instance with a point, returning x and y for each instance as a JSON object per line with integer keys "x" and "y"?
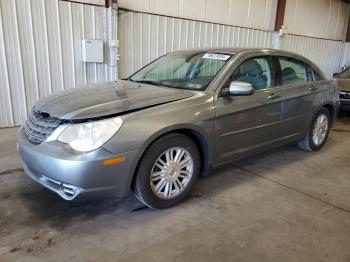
{"x": 107, "y": 99}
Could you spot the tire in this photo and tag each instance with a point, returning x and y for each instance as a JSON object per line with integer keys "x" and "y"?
{"x": 309, "y": 143}
{"x": 178, "y": 183}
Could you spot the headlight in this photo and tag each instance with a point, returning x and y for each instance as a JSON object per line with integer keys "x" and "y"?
{"x": 89, "y": 136}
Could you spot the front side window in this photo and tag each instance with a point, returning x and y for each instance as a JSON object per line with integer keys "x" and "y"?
{"x": 257, "y": 71}
{"x": 293, "y": 71}
{"x": 186, "y": 70}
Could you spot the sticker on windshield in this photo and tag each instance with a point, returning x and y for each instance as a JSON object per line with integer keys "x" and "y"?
{"x": 216, "y": 56}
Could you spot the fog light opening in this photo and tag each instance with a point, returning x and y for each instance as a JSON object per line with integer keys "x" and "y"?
{"x": 69, "y": 192}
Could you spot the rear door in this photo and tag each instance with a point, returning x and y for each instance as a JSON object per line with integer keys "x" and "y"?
{"x": 247, "y": 124}
{"x": 299, "y": 90}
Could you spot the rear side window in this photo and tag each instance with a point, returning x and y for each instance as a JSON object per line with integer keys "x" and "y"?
{"x": 293, "y": 71}
{"x": 317, "y": 76}
{"x": 309, "y": 72}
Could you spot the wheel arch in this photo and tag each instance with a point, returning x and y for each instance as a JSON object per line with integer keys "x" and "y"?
{"x": 332, "y": 111}
{"x": 197, "y": 135}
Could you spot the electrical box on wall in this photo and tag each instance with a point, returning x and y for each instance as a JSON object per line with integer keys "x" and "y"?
{"x": 92, "y": 50}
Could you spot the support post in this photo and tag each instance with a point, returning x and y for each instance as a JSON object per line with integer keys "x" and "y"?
{"x": 281, "y": 8}
{"x": 112, "y": 40}
{"x": 347, "y": 38}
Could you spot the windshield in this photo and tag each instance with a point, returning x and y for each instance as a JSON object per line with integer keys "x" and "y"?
{"x": 345, "y": 73}
{"x": 187, "y": 70}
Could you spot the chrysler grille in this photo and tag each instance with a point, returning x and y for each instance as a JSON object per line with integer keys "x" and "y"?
{"x": 39, "y": 126}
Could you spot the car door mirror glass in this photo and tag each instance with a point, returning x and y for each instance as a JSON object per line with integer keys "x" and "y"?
{"x": 238, "y": 88}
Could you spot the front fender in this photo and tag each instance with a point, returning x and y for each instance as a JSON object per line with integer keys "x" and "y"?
{"x": 207, "y": 157}
{"x": 142, "y": 128}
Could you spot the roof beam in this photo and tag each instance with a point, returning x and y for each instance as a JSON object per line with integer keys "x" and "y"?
{"x": 110, "y": 3}
{"x": 281, "y": 8}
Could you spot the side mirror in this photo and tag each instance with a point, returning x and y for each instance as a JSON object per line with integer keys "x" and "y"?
{"x": 238, "y": 88}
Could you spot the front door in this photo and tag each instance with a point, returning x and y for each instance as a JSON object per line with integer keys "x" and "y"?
{"x": 248, "y": 124}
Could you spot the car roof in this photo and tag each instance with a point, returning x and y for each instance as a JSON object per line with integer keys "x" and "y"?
{"x": 234, "y": 50}
{"x": 231, "y": 51}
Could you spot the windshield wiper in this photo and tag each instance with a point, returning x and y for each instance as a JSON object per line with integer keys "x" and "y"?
{"x": 149, "y": 81}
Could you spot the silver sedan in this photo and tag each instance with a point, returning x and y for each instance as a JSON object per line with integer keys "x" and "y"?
{"x": 178, "y": 117}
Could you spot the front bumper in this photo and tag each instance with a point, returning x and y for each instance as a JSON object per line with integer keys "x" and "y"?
{"x": 58, "y": 168}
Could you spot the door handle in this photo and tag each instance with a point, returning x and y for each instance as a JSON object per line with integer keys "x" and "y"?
{"x": 274, "y": 96}
{"x": 313, "y": 88}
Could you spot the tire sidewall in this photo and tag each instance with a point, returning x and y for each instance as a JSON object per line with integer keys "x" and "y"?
{"x": 143, "y": 175}
{"x": 313, "y": 146}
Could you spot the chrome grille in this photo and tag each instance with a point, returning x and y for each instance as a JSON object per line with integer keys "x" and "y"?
{"x": 39, "y": 126}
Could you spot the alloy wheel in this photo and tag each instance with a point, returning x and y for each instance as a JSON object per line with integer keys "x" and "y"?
{"x": 171, "y": 173}
{"x": 320, "y": 129}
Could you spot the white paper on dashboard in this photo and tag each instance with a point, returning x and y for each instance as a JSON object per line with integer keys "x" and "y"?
{"x": 216, "y": 56}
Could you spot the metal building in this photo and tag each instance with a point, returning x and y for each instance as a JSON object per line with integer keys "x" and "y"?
{"x": 41, "y": 40}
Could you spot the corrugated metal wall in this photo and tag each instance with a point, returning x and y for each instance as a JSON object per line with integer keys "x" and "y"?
{"x": 326, "y": 19}
{"x": 144, "y": 37}
{"x": 346, "y": 55}
{"x": 40, "y": 47}
{"x": 327, "y": 54}
{"x": 315, "y": 18}
{"x": 40, "y": 51}
{"x": 243, "y": 13}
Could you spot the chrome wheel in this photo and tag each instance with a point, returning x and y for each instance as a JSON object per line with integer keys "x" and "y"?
{"x": 171, "y": 173}
{"x": 320, "y": 129}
